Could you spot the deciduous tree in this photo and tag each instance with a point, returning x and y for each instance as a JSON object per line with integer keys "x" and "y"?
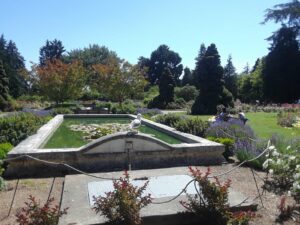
{"x": 60, "y": 81}
{"x": 119, "y": 80}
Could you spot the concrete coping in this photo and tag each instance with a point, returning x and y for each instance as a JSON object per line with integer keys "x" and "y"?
{"x": 34, "y": 143}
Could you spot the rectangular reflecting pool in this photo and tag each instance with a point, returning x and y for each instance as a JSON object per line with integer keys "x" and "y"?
{"x": 65, "y": 137}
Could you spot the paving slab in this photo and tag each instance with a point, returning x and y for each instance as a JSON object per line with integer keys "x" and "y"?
{"x": 163, "y": 185}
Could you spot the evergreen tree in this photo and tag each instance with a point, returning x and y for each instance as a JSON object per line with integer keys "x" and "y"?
{"x": 230, "y": 77}
{"x": 199, "y": 65}
{"x": 4, "y": 89}
{"x": 13, "y": 64}
{"x": 256, "y": 64}
{"x": 287, "y": 14}
{"x": 281, "y": 73}
{"x": 166, "y": 86}
{"x": 212, "y": 90}
{"x": 187, "y": 77}
{"x": 52, "y": 50}
{"x": 160, "y": 58}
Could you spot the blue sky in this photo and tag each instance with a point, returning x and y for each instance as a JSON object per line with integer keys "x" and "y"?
{"x": 134, "y": 28}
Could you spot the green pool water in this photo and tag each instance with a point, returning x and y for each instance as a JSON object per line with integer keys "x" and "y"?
{"x": 64, "y": 137}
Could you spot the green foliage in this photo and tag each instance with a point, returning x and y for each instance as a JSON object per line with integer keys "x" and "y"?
{"x": 166, "y": 91}
{"x": 286, "y": 13}
{"x": 286, "y": 119}
{"x": 16, "y": 128}
{"x": 14, "y": 67}
{"x": 4, "y": 89}
{"x": 60, "y": 81}
{"x": 35, "y": 214}
{"x": 188, "y": 78}
{"x": 62, "y": 110}
{"x": 123, "y": 204}
{"x": 211, "y": 206}
{"x": 187, "y": 92}
{"x": 128, "y": 107}
{"x": 119, "y": 81}
{"x": 160, "y": 58}
{"x": 243, "y": 155}
{"x": 30, "y": 98}
{"x": 281, "y": 72}
{"x": 52, "y": 50}
{"x": 4, "y": 149}
{"x": 250, "y": 86}
{"x": 230, "y": 77}
{"x": 190, "y": 125}
{"x": 229, "y": 145}
{"x": 168, "y": 119}
{"x": 166, "y": 86}
{"x": 284, "y": 169}
{"x": 209, "y": 74}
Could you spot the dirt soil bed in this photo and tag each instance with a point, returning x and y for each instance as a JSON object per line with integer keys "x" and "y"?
{"x": 242, "y": 181}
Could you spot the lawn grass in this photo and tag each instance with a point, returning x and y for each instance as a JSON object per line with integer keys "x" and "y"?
{"x": 264, "y": 125}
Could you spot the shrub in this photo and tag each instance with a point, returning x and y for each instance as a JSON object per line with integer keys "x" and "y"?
{"x": 35, "y": 214}
{"x": 211, "y": 206}
{"x": 148, "y": 112}
{"x": 169, "y": 119}
{"x": 187, "y": 92}
{"x": 156, "y": 102}
{"x": 102, "y": 105}
{"x": 62, "y": 110}
{"x": 284, "y": 169}
{"x": 229, "y": 144}
{"x": 30, "y": 98}
{"x": 286, "y": 119}
{"x": 123, "y": 205}
{"x": 4, "y": 149}
{"x": 194, "y": 126}
{"x": 16, "y": 128}
{"x": 124, "y": 109}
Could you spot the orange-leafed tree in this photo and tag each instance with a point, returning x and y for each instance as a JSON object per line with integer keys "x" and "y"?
{"x": 119, "y": 81}
{"x": 59, "y": 81}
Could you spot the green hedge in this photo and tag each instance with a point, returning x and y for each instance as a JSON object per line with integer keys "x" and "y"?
{"x": 16, "y": 128}
{"x": 4, "y": 149}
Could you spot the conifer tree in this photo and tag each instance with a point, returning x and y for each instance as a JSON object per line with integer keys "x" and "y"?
{"x": 4, "y": 89}
{"x": 166, "y": 86}
{"x": 211, "y": 84}
{"x": 230, "y": 77}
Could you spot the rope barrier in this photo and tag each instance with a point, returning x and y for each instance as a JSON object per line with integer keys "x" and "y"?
{"x": 106, "y": 178}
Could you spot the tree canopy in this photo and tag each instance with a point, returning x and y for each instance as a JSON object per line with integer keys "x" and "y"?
{"x": 161, "y": 58}
{"x": 52, "y": 50}
{"x": 287, "y": 14}
{"x": 209, "y": 74}
{"x": 13, "y": 65}
{"x": 4, "y": 89}
{"x": 281, "y": 73}
{"x": 119, "y": 80}
{"x": 230, "y": 77}
{"x": 59, "y": 81}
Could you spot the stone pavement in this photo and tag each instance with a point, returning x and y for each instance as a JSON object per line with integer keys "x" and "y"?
{"x": 79, "y": 189}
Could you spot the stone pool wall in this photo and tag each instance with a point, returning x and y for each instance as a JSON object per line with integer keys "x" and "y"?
{"x": 113, "y": 152}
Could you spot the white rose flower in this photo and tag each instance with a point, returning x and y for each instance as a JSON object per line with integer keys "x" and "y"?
{"x": 275, "y": 153}
{"x": 297, "y": 166}
{"x": 272, "y": 147}
{"x": 288, "y": 147}
{"x": 292, "y": 157}
{"x": 297, "y": 176}
{"x": 271, "y": 171}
